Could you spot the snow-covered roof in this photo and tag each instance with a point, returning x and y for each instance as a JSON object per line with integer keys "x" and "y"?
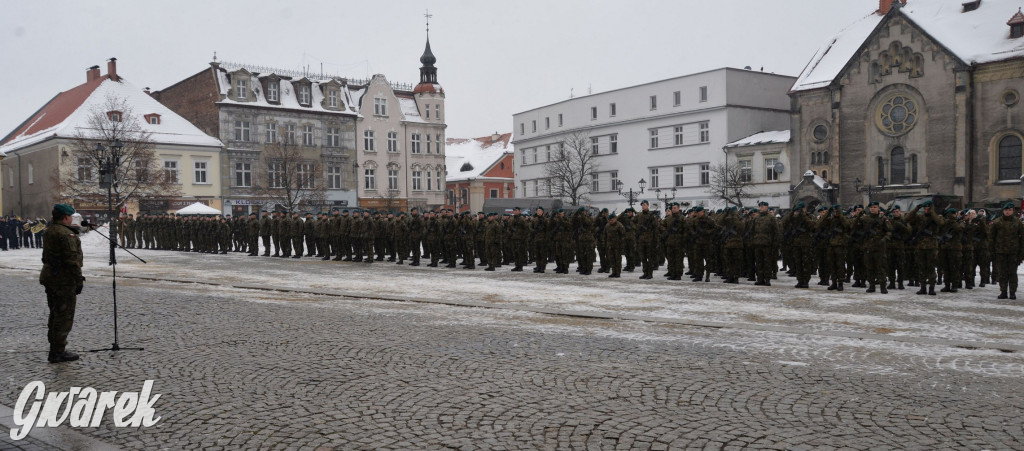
{"x": 976, "y": 37}
{"x": 770, "y": 137}
{"x": 410, "y": 111}
{"x": 288, "y": 96}
{"x": 478, "y": 153}
{"x": 67, "y": 116}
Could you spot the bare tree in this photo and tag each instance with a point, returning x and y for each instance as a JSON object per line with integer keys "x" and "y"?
{"x": 137, "y": 173}
{"x": 289, "y": 177}
{"x": 572, "y": 170}
{"x": 731, "y": 182}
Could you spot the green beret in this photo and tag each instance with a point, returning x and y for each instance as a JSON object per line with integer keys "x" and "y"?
{"x": 611, "y": 216}
{"x": 63, "y": 209}
{"x": 644, "y": 202}
{"x": 837, "y": 207}
{"x": 698, "y": 208}
{"x": 1008, "y": 205}
{"x": 949, "y": 210}
{"x": 927, "y": 203}
{"x": 873, "y": 203}
{"x": 580, "y": 208}
{"x": 894, "y": 207}
{"x": 762, "y": 204}
{"x": 516, "y": 208}
{"x": 800, "y": 205}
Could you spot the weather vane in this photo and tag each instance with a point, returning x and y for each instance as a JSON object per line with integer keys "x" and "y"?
{"x": 428, "y": 16}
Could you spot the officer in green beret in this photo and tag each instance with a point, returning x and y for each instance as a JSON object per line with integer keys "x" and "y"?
{"x": 926, "y": 250}
{"x": 62, "y": 277}
{"x": 1008, "y": 250}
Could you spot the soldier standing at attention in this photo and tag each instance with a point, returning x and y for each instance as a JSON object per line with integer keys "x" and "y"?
{"x": 416, "y": 228}
{"x": 835, "y": 229}
{"x": 926, "y": 229}
{"x": 542, "y": 239}
{"x": 1008, "y": 242}
{"x": 265, "y": 229}
{"x": 647, "y": 239}
{"x": 766, "y": 233}
{"x": 583, "y": 225}
{"x": 253, "y": 226}
{"x": 62, "y": 277}
{"x": 897, "y": 249}
{"x": 614, "y": 238}
{"x": 675, "y": 241}
{"x": 520, "y": 236}
{"x": 799, "y": 226}
{"x": 875, "y": 233}
{"x": 561, "y": 239}
{"x": 493, "y": 237}
{"x": 951, "y": 250}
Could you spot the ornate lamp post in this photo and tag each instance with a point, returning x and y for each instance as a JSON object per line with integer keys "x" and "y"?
{"x": 631, "y": 196}
{"x": 664, "y": 199}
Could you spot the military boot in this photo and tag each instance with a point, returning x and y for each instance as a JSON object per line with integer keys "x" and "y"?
{"x": 931, "y": 289}
{"x": 871, "y": 289}
{"x": 899, "y": 285}
{"x": 1013, "y": 295}
{"x": 882, "y": 289}
{"x": 923, "y": 290}
{"x": 839, "y": 287}
{"x": 892, "y": 285}
{"x": 62, "y": 356}
{"x": 946, "y": 288}
{"x": 517, "y": 269}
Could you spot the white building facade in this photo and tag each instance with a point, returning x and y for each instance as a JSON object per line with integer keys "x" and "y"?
{"x": 762, "y": 159}
{"x": 670, "y": 133}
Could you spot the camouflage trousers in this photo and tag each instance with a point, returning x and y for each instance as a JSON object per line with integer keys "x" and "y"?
{"x": 951, "y": 260}
{"x": 873, "y": 260}
{"x": 1006, "y": 269}
{"x": 835, "y": 260}
{"x": 801, "y": 261}
{"x": 895, "y": 268}
{"x": 61, "y": 299}
{"x": 926, "y": 260}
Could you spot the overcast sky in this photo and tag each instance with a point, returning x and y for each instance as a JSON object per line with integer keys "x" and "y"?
{"x": 494, "y": 58}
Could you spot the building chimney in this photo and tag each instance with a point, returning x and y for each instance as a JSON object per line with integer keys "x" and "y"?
{"x": 146, "y": 90}
{"x": 92, "y": 73}
{"x": 112, "y": 69}
{"x": 495, "y": 137}
{"x": 885, "y": 5}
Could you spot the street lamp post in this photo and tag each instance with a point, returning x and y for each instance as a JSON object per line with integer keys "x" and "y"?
{"x": 664, "y": 199}
{"x": 631, "y": 196}
{"x": 881, "y": 186}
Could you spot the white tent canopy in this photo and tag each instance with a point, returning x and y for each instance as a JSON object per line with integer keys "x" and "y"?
{"x": 198, "y": 209}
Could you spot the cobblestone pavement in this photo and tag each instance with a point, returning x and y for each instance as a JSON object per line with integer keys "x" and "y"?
{"x": 242, "y": 369}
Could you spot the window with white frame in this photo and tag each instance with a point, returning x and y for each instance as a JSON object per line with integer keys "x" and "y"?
{"x": 451, "y": 197}
{"x": 611, "y": 109}
{"x": 243, "y": 174}
{"x": 427, "y": 109}
{"x": 654, "y": 178}
{"x": 380, "y": 106}
{"x": 654, "y": 103}
{"x": 170, "y": 171}
{"x": 240, "y": 88}
{"x": 677, "y": 98}
{"x": 613, "y": 144}
{"x": 595, "y": 183}
{"x": 559, "y": 119}
{"x": 494, "y": 194}
{"x": 334, "y": 177}
{"x": 547, "y": 123}
{"x": 547, "y": 152}
{"x": 200, "y": 172}
{"x": 271, "y": 133}
{"x": 307, "y": 135}
{"x": 414, "y": 143}
{"x": 705, "y": 174}
{"x": 141, "y": 170}
{"x": 392, "y": 178}
{"x": 430, "y": 186}
{"x": 614, "y": 175}
{"x": 417, "y": 180}
{"x": 705, "y": 132}
{"x": 333, "y": 136}
{"x": 679, "y": 135}
{"x": 439, "y": 174}
{"x": 392, "y": 141}
{"x": 547, "y": 187}
{"x": 522, "y": 128}
{"x": 272, "y": 89}
{"x": 465, "y": 196}
{"x": 304, "y": 95}
{"x": 289, "y": 134}
{"x": 523, "y": 153}
{"x": 439, "y": 142}
{"x": 429, "y": 143}
{"x": 370, "y": 179}
{"x": 769, "y": 170}
{"x": 275, "y": 174}
{"x": 536, "y": 187}
{"x": 154, "y": 120}
{"x": 533, "y": 154}
{"x": 533, "y": 125}
{"x": 654, "y": 138}
{"x": 594, "y": 146}
{"x": 678, "y": 179}
{"x": 593, "y": 113}
{"x": 368, "y": 141}
{"x": 437, "y": 111}
{"x": 241, "y": 130}
{"x": 306, "y": 176}
{"x": 703, "y": 93}
{"x": 332, "y": 98}
{"x": 746, "y": 171}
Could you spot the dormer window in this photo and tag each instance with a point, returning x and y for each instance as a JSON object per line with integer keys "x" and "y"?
{"x": 114, "y": 116}
{"x": 152, "y": 118}
{"x": 304, "y": 95}
{"x": 1016, "y": 24}
{"x": 380, "y": 107}
{"x": 971, "y": 5}
{"x": 240, "y": 87}
{"x": 332, "y": 98}
{"x": 273, "y": 86}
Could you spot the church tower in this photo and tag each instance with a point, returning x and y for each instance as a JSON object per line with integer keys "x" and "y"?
{"x": 428, "y": 92}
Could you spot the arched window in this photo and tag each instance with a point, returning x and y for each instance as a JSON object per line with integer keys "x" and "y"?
{"x": 824, "y": 174}
{"x": 1009, "y": 158}
{"x": 825, "y": 156}
{"x": 913, "y": 168}
{"x": 898, "y": 166}
{"x": 881, "y": 169}
{"x": 814, "y": 157}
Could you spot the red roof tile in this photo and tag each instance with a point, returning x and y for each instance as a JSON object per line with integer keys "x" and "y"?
{"x": 57, "y": 110}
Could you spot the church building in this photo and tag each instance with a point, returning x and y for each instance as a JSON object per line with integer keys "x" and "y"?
{"x": 918, "y": 97}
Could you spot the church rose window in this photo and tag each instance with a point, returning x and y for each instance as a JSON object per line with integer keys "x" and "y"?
{"x": 897, "y": 115}
{"x": 820, "y": 133}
